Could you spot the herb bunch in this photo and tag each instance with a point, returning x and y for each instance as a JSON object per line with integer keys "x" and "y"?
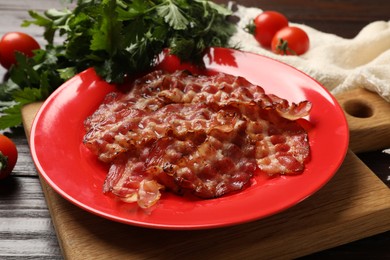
{"x": 116, "y": 37}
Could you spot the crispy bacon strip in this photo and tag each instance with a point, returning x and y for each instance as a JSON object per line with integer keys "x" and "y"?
{"x": 204, "y": 135}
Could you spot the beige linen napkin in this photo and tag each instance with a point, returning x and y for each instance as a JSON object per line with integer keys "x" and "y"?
{"x": 339, "y": 64}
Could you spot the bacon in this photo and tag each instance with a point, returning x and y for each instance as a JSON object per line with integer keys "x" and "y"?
{"x": 204, "y": 135}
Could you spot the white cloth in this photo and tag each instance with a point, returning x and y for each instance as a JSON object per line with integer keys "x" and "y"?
{"x": 339, "y": 64}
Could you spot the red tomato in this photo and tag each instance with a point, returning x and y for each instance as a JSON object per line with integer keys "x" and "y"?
{"x": 290, "y": 41}
{"x": 266, "y": 25}
{"x": 8, "y": 156}
{"x": 170, "y": 63}
{"x": 16, "y": 41}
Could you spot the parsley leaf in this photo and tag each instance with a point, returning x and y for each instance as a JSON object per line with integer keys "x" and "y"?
{"x": 172, "y": 15}
{"x": 11, "y": 116}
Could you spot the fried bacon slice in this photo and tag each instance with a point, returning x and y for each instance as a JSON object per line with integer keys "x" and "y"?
{"x": 204, "y": 135}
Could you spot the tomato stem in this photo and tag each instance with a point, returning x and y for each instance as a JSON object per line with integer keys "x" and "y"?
{"x": 283, "y": 47}
{"x": 250, "y": 28}
{"x": 3, "y": 161}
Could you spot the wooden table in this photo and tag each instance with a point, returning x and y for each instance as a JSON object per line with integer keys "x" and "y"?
{"x": 26, "y": 228}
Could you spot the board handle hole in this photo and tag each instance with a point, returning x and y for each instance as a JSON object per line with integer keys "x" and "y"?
{"x": 358, "y": 108}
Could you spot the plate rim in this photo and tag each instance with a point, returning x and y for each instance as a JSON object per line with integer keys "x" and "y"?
{"x": 92, "y": 210}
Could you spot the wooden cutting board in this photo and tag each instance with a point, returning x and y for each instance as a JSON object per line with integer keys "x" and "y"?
{"x": 368, "y": 117}
{"x": 353, "y": 205}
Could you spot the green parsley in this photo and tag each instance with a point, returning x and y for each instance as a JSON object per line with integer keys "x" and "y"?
{"x": 116, "y": 37}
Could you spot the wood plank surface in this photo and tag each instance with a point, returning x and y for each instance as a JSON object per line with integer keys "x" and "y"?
{"x": 340, "y": 17}
{"x": 353, "y": 205}
{"x": 25, "y": 223}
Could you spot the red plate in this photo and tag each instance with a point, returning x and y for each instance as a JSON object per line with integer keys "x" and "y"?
{"x": 73, "y": 172}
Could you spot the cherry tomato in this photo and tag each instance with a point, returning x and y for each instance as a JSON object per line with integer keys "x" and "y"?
{"x": 170, "y": 63}
{"x": 290, "y": 41}
{"x": 8, "y": 156}
{"x": 16, "y": 41}
{"x": 266, "y": 25}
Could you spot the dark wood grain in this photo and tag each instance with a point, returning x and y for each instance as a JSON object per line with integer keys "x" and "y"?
{"x": 25, "y": 224}
{"x": 342, "y": 17}
{"x": 26, "y": 230}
